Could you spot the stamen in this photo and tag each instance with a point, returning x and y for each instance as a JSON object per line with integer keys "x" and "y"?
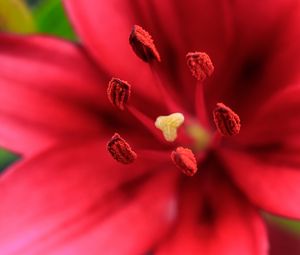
{"x": 118, "y": 92}
{"x": 121, "y": 150}
{"x": 227, "y": 121}
{"x": 143, "y": 45}
{"x": 169, "y": 125}
{"x": 185, "y": 160}
{"x": 200, "y": 65}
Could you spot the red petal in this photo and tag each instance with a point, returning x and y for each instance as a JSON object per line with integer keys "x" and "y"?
{"x": 264, "y": 58}
{"x": 270, "y": 185}
{"x": 75, "y": 198}
{"x": 277, "y": 122}
{"x": 47, "y": 89}
{"x": 274, "y": 138}
{"x": 215, "y": 219}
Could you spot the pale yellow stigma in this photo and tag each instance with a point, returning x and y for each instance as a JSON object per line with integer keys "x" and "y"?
{"x": 169, "y": 125}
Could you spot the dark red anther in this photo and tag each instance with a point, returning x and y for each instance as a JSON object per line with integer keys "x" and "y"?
{"x": 227, "y": 121}
{"x": 200, "y": 65}
{"x": 185, "y": 160}
{"x": 143, "y": 45}
{"x": 121, "y": 150}
{"x": 118, "y": 92}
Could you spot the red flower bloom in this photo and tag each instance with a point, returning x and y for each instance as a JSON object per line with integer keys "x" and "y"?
{"x": 71, "y": 192}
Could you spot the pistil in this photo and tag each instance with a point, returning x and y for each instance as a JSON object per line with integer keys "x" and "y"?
{"x": 169, "y": 125}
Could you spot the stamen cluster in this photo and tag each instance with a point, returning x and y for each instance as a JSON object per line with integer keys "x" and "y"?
{"x": 118, "y": 92}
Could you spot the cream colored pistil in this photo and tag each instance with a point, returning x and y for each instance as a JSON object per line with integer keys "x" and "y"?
{"x": 169, "y": 125}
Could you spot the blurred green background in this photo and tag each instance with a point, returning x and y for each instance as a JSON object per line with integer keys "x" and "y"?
{"x": 48, "y": 17}
{"x": 41, "y": 16}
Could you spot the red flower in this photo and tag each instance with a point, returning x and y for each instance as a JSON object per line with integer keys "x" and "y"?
{"x": 71, "y": 192}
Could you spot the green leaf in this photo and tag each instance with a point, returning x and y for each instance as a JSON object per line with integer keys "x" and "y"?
{"x": 16, "y": 17}
{"x": 290, "y": 225}
{"x": 6, "y": 159}
{"x": 51, "y": 19}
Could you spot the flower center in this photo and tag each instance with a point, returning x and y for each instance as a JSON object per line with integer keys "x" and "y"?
{"x": 201, "y": 137}
{"x": 195, "y": 137}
